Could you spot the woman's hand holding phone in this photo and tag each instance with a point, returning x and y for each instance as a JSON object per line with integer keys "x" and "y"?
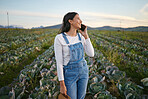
{"x": 84, "y": 33}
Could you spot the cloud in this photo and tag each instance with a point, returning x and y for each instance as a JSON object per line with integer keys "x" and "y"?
{"x": 30, "y": 19}
{"x": 86, "y": 14}
{"x": 27, "y": 13}
{"x": 144, "y": 10}
{"x": 108, "y": 16}
{"x": 33, "y": 19}
{"x": 102, "y": 19}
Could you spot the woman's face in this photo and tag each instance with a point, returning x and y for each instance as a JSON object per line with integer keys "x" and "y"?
{"x": 76, "y": 22}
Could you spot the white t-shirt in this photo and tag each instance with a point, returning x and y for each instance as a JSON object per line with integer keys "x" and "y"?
{"x": 62, "y": 53}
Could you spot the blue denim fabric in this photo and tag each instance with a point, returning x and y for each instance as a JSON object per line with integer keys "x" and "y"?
{"x": 76, "y": 71}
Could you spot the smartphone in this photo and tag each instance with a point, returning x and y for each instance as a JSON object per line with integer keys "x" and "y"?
{"x": 82, "y": 27}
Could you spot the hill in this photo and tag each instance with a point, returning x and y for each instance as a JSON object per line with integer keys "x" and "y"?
{"x": 58, "y": 26}
{"x": 12, "y": 26}
{"x": 139, "y": 28}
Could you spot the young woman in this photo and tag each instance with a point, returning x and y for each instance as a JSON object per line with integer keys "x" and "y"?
{"x": 69, "y": 47}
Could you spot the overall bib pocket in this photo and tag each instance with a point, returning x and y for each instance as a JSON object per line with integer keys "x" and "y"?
{"x": 70, "y": 74}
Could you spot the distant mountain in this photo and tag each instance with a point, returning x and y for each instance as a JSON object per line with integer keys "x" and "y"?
{"x": 60, "y": 25}
{"x": 1, "y": 26}
{"x": 139, "y": 28}
{"x": 12, "y": 26}
{"x": 53, "y": 27}
{"x": 37, "y": 27}
{"x": 109, "y": 28}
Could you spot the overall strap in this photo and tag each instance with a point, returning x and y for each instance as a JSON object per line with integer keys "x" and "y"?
{"x": 79, "y": 37}
{"x": 65, "y": 38}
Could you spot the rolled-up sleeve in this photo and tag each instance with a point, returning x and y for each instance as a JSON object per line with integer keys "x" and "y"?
{"x": 59, "y": 58}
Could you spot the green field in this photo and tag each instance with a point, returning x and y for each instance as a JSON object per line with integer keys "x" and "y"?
{"x": 28, "y": 66}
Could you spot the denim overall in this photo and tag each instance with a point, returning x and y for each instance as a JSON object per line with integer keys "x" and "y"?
{"x": 76, "y": 71}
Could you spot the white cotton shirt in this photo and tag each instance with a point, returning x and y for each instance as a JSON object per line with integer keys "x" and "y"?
{"x": 62, "y": 53}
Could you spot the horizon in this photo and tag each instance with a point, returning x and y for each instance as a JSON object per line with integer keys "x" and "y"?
{"x": 36, "y": 13}
{"x": 59, "y": 24}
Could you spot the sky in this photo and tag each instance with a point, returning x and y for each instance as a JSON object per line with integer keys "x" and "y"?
{"x": 94, "y": 13}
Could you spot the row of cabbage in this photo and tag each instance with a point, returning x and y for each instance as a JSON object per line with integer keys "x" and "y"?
{"x": 13, "y": 36}
{"x": 11, "y": 32}
{"x": 126, "y": 50}
{"x": 20, "y": 40}
{"x": 14, "y": 57}
{"x": 123, "y": 37}
{"x": 127, "y": 57}
{"x": 128, "y": 46}
{"x": 8, "y": 35}
{"x": 108, "y": 82}
{"x": 39, "y": 80}
{"x": 138, "y": 42}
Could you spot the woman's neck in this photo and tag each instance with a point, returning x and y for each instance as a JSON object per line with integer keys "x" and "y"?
{"x": 72, "y": 32}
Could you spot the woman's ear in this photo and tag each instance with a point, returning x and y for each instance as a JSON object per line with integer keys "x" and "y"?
{"x": 70, "y": 21}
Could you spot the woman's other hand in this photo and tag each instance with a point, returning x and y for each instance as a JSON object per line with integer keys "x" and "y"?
{"x": 63, "y": 89}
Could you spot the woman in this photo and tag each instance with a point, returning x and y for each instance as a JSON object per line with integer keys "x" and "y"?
{"x": 69, "y": 47}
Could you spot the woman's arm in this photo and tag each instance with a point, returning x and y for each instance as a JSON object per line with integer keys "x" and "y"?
{"x": 59, "y": 58}
{"x": 59, "y": 62}
{"x": 88, "y": 47}
{"x": 87, "y": 43}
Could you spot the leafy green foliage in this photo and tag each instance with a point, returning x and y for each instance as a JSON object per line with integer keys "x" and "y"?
{"x": 117, "y": 71}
